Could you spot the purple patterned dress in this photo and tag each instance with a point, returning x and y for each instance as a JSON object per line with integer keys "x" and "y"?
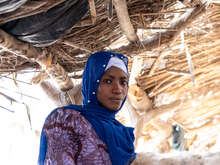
{"x": 72, "y": 140}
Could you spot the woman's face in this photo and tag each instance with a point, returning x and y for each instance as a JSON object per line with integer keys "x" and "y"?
{"x": 113, "y": 88}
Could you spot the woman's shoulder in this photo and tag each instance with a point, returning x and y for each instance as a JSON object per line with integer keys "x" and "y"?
{"x": 65, "y": 115}
{"x": 64, "y": 111}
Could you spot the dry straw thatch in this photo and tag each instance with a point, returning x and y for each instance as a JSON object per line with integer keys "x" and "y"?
{"x": 196, "y": 89}
{"x": 85, "y": 37}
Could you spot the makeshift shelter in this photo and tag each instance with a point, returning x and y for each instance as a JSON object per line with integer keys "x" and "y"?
{"x": 173, "y": 47}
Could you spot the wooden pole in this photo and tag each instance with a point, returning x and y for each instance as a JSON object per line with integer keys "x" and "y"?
{"x": 124, "y": 20}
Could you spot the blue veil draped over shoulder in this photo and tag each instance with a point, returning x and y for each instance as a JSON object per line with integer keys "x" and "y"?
{"x": 118, "y": 138}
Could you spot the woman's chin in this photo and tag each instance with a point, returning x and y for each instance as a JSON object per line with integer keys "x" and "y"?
{"x": 114, "y": 107}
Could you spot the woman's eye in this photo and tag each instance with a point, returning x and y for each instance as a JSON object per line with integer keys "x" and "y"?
{"x": 124, "y": 82}
{"x": 107, "y": 81}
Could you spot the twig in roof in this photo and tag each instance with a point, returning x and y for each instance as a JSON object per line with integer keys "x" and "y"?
{"x": 157, "y": 28}
{"x": 9, "y": 98}
{"x": 16, "y": 80}
{"x": 157, "y": 62}
{"x": 178, "y": 72}
{"x": 193, "y": 3}
{"x": 76, "y": 46}
{"x": 14, "y": 76}
{"x": 189, "y": 58}
{"x": 16, "y": 101}
{"x": 6, "y": 109}
{"x": 19, "y": 93}
{"x": 28, "y": 114}
{"x": 110, "y": 9}
{"x": 92, "y": 11}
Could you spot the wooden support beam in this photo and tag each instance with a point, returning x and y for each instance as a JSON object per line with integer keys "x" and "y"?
{"x": 124, "y": 20}
{"x": 39, "y": 55}
{"x": 165, "y": 37}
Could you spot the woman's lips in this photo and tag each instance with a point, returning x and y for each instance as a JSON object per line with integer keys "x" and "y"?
{"x": 116, "y": 100}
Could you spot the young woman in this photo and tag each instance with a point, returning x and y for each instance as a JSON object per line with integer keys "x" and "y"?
{"x": 90, "y": 134}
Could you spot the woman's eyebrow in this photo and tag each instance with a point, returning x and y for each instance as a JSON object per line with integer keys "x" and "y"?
{"x": 124, "y": 77}
{"x": 110, "y": 76}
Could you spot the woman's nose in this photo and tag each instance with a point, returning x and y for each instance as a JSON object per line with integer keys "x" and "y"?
{"x": 116, "y": 87}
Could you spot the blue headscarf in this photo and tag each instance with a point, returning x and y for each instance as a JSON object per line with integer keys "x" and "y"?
{"x": 118, "y": 138}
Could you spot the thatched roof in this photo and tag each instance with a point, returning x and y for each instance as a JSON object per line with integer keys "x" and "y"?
{"x": 178, "y": 41}
{"x": 87, "y": 37}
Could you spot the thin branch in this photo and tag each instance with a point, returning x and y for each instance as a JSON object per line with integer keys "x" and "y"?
{"x": 92, "y": 10}
{"x": 178, "y": 72}
{"x": 157, "y": 62}
{"x": 20, "y": 93}
{"x": 76, "y": 46}
{"x": 17, "y": 101}
{"x": 156, "y": 28}
{"x": 189, "y": 58}
{"x": 16, "y": 80}
{"x": 110, "y": 9}
{"x": 6, "y": 109}
{"x": 9, "y": 98}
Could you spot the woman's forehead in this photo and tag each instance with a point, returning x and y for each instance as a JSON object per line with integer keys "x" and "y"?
{"x": 115, "y": 72}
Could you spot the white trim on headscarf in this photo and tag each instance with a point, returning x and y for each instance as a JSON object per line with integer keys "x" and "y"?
{"x": 115, "y": 61}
